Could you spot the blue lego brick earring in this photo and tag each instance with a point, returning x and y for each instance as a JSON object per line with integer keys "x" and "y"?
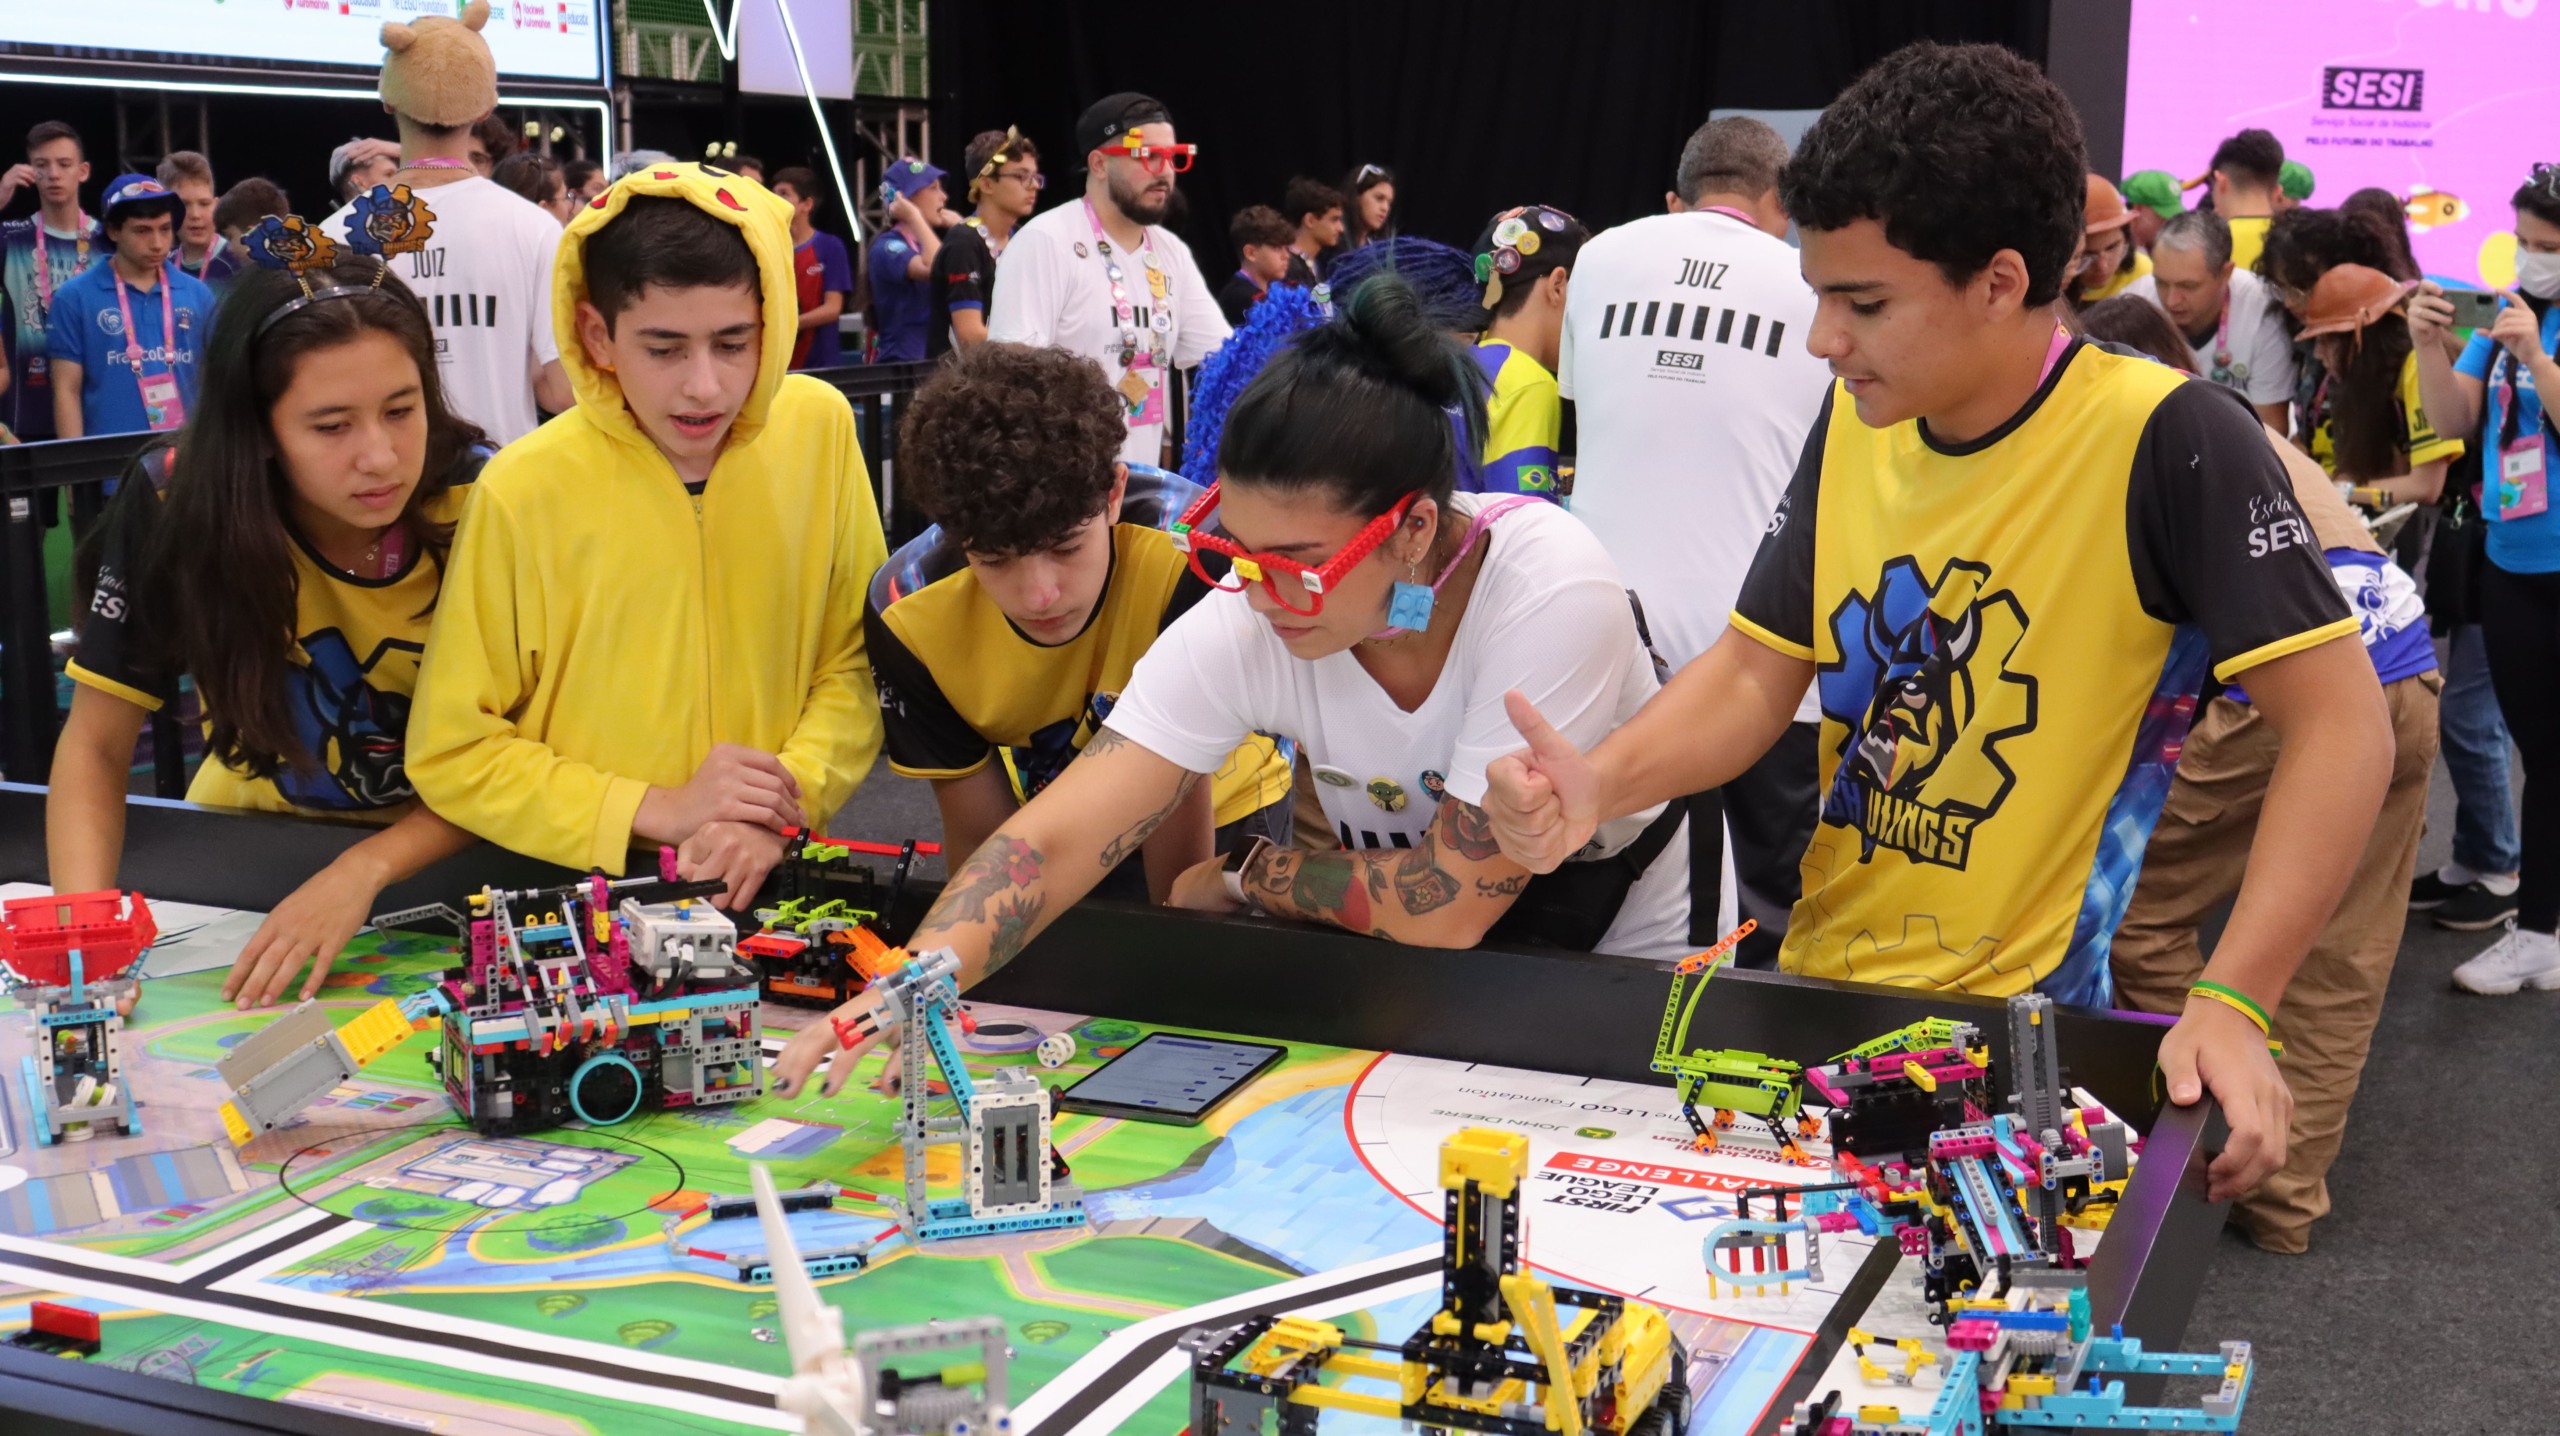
{"x": 1410, "y": 608}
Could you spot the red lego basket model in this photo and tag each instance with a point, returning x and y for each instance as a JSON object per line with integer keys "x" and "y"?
{"x": 110, "y": 930}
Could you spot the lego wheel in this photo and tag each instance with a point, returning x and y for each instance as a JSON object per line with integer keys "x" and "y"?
{"x": 604, "y": 1090}
{"x": 1669, "y": 1413}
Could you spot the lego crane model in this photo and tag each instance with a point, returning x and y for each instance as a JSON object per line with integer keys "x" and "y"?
{"x": 1505, "y": 1353}
{"x": 1014, "y": 1179}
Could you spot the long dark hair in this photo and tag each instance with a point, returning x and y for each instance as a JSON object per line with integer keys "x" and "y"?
{"x": 1355, "y": 226}
{"x": 2364, "y": 399}
{"x": 2385, "y": 215}
{"x": 218, "y": 575}
{"x": 2137, "y": 323}
{"x": 1362, "y": 405}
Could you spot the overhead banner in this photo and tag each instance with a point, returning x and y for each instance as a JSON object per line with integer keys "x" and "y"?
{"x": 2447, "y": 104}
{"x": 535, "y": 39}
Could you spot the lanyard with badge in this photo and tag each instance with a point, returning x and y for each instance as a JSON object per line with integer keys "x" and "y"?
{"x": 38, "y": 364}
{"x": 163, "y": 408}
{"x": 2523, "y": 487}
{"x": 2224, "y": 371}
{"x": 1142, "y": 370}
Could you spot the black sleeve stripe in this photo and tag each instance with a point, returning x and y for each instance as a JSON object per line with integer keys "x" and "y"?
{"x": 1777, "y": 595}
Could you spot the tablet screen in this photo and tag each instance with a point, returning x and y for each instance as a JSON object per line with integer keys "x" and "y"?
{"x": 1171, "y": 1078}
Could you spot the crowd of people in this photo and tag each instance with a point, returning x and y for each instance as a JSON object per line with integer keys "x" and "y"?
{"x": 1995, "y": 581}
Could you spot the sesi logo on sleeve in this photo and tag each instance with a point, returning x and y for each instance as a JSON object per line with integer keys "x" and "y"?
{"x": 2011, "y": 637}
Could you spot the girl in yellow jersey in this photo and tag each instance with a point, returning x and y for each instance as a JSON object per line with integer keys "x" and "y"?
{"x": 287, "y": 553}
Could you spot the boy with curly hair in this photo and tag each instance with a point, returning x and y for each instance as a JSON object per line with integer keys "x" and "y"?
{"x": 2008, "y": 564}
{"x": 1001, "y": 636}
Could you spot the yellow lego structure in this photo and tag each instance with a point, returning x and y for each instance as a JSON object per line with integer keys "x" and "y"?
{"x": 1506, "y": 1352}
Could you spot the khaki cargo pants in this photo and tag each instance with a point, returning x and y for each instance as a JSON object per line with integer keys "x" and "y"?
{"x": 2326, "y": 1021}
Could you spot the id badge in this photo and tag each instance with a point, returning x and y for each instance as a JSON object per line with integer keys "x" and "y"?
{"x": 1150, "y": 409}
{"x": 162, "y": 407}
{"x": 2523, "y": 487}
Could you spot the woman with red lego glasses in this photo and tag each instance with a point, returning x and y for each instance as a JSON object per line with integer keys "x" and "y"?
{"x": 1379, "y": 618}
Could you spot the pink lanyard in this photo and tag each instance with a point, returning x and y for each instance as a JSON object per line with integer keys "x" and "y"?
{"x": 133, "y": 352}
{"x": 1475, "y": 533}
{"x": 44, "y": 260}
{"x": 2053, "y": 354}
{"x": 1124, "y": 312}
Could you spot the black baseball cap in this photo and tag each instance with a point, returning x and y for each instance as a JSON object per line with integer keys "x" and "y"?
{"x": 1112, "y": 116}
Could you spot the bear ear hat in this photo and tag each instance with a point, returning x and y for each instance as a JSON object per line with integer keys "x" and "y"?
{"x": 398, "y": 35}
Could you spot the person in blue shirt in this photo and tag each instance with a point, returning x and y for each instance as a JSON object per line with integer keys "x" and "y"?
{"x": 2495, "y": 390}
{"x": 124, "y": 338}
{"x": 901, "y": 261}
{"x": 38, "y": 256}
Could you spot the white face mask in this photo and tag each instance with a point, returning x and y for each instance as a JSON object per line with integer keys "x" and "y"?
{"x": 2538, "y": 274}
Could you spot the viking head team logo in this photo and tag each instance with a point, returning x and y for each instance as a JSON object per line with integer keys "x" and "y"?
{"x": 390, "y": 219}
{"x": 288, "y": 241}
{"x": 1924, "y": 688}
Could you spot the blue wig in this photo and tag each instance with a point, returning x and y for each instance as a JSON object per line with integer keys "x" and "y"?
{"x": 1284, "y": 312}
{"x": 1444, "y": 278}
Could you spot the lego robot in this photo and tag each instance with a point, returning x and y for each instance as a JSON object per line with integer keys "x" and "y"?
{"x": 68, "y": 959}
{"x": 590, "y": 1002}
{"x": 1505, "y": 1353}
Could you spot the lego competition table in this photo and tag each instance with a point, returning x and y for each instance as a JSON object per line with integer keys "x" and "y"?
{"x": 376, "y": 1264}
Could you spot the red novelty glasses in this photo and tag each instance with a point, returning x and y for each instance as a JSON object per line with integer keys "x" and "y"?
{"x": 1285, "y": 579}
{"x": 1154, "y": 159}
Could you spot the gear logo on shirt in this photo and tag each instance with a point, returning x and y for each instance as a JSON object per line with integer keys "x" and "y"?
{"x": 1924, "y": 689}
{"x": 359, "y": 732}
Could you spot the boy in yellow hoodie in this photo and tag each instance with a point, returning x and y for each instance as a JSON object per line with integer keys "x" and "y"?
{"x": 651, "y": 628}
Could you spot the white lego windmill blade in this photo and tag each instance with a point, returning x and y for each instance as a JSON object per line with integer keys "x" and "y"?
{"x": 825, "y": 1389}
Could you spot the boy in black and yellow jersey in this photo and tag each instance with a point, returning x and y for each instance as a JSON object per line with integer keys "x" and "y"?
{"x": 1002, "y": 636}
{"x": 2009, "y": 562}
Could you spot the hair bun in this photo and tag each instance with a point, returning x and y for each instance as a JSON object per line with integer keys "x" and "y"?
{"x": 1385, "y": 315}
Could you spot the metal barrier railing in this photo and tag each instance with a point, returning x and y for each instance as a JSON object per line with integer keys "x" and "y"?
{"x": 31, "y": 475}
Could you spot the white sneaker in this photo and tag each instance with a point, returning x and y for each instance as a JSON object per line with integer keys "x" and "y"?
{"x": 2520, "y": 959}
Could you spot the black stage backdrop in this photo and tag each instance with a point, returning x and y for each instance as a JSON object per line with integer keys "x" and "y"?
{"x": 1475, "y": 106}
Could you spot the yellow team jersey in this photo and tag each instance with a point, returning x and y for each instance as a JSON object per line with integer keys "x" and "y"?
{"x": 354, "y": 664}
{"x": 2418, "y": 436}
{"x": 961, "y": 686}
{"x": 2118, "y": 282}
{"x": 2010, "y": 636}
{"x": 1524, "y": 422}
{"x": 2248, "y": 240}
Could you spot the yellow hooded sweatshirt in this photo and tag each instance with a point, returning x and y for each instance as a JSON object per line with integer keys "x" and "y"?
{"x": 596, "y": 636}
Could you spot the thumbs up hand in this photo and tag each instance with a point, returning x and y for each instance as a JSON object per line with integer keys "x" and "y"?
{"x": 1544, "y": 801}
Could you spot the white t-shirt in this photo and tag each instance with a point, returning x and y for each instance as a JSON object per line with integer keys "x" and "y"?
{"x": 485, "y": 278}
{"x": 1053, "y": 287}
{"x": 1548, "y": 617}
{"x": 2259, "y": 361}
{"x": 1683, "y": 351}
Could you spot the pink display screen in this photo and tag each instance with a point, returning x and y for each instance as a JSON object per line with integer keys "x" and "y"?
{"x": 2448, "y": 104}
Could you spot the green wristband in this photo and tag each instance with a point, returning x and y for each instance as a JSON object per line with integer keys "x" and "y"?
{"x": 2234, "y": 998}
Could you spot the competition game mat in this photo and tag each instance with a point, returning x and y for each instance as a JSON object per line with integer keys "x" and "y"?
{"x": 377, "y": 1257}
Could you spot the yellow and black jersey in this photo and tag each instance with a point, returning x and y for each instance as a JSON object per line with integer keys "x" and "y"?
{"x": 960, "y": 686}
{"x": 356, "y": 646}
{"x": 2011, "y": 635}
{"x": 2418, "y": 440}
